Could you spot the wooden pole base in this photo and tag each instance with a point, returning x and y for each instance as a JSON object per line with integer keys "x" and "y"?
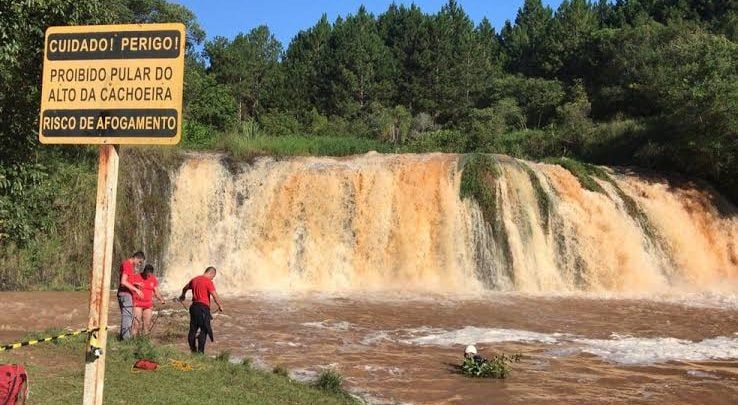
{"x": 102, "y": 258}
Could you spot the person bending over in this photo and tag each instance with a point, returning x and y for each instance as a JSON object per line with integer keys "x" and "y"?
{"x": 471, "y": 353}
{"x": 202, "y": 289}
{"x": 126, "y": 291}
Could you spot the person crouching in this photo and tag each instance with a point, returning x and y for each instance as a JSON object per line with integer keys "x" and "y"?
{"x": 471, "y": 353}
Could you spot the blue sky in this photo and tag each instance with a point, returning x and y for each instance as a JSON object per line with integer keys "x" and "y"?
{"x": 286, "y": 18}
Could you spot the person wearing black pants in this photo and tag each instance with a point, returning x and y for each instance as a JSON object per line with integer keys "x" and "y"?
{"x": 202, "y": 289}
{"x": 199, "y": 321}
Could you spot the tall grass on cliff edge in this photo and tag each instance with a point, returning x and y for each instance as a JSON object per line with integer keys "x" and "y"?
{"x": 245, "y": 148}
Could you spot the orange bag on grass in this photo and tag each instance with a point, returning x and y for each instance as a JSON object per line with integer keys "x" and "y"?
{"x": 143, "y": 364}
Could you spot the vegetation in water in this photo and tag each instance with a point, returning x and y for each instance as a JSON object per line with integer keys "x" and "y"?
{"x": 542, "y": 197}
{"x": 585, "y": 173}
{"x": 478, "y": 182}
{"x": 499, "y": 366}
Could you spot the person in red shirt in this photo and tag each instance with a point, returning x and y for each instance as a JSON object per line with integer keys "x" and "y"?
{"x": 143, "y": 306}
{"x": 202, "y": 289}
{"x": 126, "y": 291}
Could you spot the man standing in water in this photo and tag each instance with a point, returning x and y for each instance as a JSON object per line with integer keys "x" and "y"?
{"x": 125, "y": 291}
{"x": 202, "y": 288}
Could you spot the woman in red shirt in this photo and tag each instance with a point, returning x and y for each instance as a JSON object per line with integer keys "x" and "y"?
{"x": 143, "y": 306}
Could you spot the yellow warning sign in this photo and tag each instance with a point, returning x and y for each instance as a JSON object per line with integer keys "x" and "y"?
{"x": 113, "y": 84}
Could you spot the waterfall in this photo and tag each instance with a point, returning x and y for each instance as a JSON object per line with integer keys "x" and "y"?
{"x": 398, "y": 222}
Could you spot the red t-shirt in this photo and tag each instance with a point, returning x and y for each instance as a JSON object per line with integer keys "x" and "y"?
{"x": 147, "y": 287}
{"x": 127, "y": 268}
{"x": 201, "y": 288}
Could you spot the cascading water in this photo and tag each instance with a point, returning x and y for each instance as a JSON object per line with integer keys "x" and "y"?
{"x": 397, "y": 222}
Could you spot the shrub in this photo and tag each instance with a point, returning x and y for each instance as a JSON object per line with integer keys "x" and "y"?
{"x": 444, "y": 140}
{"x": 281, "y": 371}
{"x": 140, "y": 347}
{"x": 421, "y": 124}
{"x": 330, "y": 381}
{"x": 246, "y": 362}
{"x": 223, "y": 356}
{"x": 277, "y": 123}
{"x": 196, "y": 135}
{"x": 499, "y": 366}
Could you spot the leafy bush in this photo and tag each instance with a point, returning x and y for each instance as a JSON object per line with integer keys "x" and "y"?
{"x": 329, "y": 381}
{"x": 141, "y": 347}
{"x": 277, "y": 123}
{"x": 421, "y": 123}
{"x": 196, "y": 135}
{"x": 499, "y": 366}
{"x": 444, "y": 140}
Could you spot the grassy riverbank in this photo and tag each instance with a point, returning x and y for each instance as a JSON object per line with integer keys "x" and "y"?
{"x": 56, "y": 373}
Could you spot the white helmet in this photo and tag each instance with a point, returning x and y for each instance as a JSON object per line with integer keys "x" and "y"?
{"x": 470, "y": 350}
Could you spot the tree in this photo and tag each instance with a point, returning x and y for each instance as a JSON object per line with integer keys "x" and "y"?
{"x": 524, "y": 41}
{"x": 487, "y": 62}
{"x": 570, "y": 33}
{"x": 404, "y": 31}
{"x": 22, "y": 27}
{"x": 452, "y": 78}
{"x": 248, "y": 65}
{"x": 359, "y": 64}
{"x": 206, "y": 101}
{"x": 537, "y": 97}
{"x": 161, "y": 11}
{"x": 306, "y": 79}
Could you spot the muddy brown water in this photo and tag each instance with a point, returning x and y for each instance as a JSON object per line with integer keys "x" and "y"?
{"x": 402, "y": 349}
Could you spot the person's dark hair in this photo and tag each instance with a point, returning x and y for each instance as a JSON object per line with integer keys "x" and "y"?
{"x": 139, "y": 255}
{"x": 148, "y": 269}
{"x": 211, "y": 268}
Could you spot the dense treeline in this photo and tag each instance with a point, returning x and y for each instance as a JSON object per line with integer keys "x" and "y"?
{"x": 652, "y": 83}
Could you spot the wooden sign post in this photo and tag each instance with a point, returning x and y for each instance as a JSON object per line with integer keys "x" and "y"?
{"x": 102, "y": 259}
{"x": 110, "y": 85}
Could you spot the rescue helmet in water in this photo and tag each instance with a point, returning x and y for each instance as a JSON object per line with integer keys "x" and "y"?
{"x": 470, "y": 350}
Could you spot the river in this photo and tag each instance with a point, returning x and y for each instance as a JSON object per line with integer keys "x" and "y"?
{"x": 400, "y": 348}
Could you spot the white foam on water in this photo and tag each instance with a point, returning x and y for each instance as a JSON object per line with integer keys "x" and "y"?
{"x": 381, "y": 369}
{"x": 288, "y": 344}
{"x": 376, "y": 337}
{"x": 336, "y": 326}
{"x": 702, "y": 374}
{"x": 473, "y": 335}
{"x": 626, "y": 350}
{"x": 637, "y": 351}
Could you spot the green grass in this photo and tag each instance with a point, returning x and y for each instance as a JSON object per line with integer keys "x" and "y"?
{"x": 584, "y": 172}
{"x": 477, "y": 181}
{"x": 246, "y": 148}
{"x": 587, "y": 173}
{"x": 543, "y": 199}
{"x": 60, "y": 379}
